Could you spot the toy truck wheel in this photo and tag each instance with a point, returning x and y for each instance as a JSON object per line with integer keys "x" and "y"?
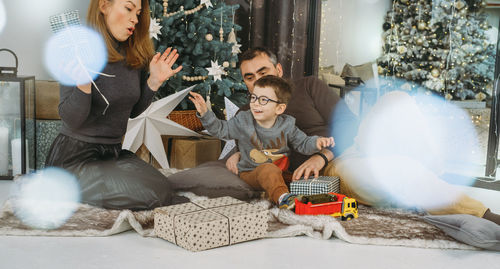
{"x": 348, "y": 217}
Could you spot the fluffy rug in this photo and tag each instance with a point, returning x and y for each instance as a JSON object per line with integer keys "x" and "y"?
{"x": 389, "y": 227}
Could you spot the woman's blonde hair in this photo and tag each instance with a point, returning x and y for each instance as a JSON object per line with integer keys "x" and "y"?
{"x": 138, "y": 47}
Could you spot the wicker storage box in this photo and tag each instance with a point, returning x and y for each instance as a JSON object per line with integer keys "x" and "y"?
{"x": 186, "y": 118}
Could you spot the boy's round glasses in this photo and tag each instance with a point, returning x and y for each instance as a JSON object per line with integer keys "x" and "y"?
{"x": 263, "y": 100}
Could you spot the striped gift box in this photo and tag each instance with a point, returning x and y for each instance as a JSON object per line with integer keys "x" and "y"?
{"x": 321, "y": 184}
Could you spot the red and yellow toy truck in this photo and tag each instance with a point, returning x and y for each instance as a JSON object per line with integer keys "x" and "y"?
{"x": 337, "y": 205}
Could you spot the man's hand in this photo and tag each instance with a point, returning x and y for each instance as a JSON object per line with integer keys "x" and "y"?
{"x": 232, "y": 162}
{"x": 313, "y": 165}
{"x": 199, "y": 103}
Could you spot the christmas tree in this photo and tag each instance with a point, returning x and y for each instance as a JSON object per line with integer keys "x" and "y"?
{"x": 440, "y": 44}
{"x": 204, "y": 33}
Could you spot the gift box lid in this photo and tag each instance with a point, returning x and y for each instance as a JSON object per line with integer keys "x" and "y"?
{"x": 318, "y": 180}
{"x": 322, "y": 184}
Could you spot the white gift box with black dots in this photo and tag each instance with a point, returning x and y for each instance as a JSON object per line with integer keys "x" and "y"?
{"x": 210, "y": 223}
{"x": 319, "y": 185}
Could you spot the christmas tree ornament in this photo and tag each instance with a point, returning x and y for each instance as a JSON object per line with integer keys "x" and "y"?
{"x": 225, "y": 64}
{"x": 165, "y": 6}
{"x": 209, "y": 37}
{"x": 380, "y": 70}
{"x": 231, "y": 38}
{"x": 421, "y": 25}
{"x": 448, "y": 96}
{"x": 221, "y": 30}
{"x": 215, "y": 70}
{"x": 236, "y": 48}
{"x": 419, "y": 41}
{"x": 154, "y": 29}
{"x": 435, "y": 72}
{"x": 386, "y": 26}
{"x": 207, "y": 3}
{"x": 459, "y": 4}
{"x": 480, "y": 96}
{"x": 208, "y": 102}
{"x": 402, "y": 49}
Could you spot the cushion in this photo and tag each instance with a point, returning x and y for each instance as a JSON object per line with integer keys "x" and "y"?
{"x": 469, "y": 229}
{"x": 212, "y": 179}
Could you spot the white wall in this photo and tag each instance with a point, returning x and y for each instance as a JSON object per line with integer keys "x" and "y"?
{"x": 27, "y": 29}
{"x": 351, "y": 31}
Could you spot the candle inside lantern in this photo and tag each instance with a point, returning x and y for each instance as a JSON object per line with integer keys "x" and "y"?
{"x": 16, "y": 156}
{"x": 4, "y": 151}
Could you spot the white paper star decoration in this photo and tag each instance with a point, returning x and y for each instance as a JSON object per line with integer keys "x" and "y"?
{"x": 231, "y": 110}
{"x": 236, "y": 48}
{"x": 216, "y": 70}
{"x": 148, "y": 127}
{"x": 154, "y": 29}
{"x": 207, "y": 3}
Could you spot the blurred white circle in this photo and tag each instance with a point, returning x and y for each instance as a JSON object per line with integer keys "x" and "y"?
{"x": 46, "y": 199}
{"x": 3, "y": 16}
{"x": 75, "y": 55}
{"x": 409, "y": 146}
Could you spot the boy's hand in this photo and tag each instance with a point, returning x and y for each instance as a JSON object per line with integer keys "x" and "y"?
{"x": 323, "y": 142}
{"x": 199, "y": 102}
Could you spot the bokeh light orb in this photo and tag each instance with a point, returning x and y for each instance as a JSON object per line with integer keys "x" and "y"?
{"x": 3, "y": 16}
{"x": 75, "y": 55}
{"x": 46, "y": 199}
{"x": 408, "y": 146}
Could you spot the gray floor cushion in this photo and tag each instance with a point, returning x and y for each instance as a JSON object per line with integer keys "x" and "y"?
{"x": 469, "y": 229}
{"x": 212, "y": 179}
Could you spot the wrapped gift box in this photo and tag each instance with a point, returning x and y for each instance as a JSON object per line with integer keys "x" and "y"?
{"x": 192, "y": 151}
{"x": 210, "y": 223}
{"x": 321, "y": 184}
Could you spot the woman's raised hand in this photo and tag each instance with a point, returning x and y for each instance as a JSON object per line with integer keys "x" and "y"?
{"x": 160, "y": 68}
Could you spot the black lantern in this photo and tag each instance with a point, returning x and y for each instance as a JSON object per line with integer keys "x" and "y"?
{"x": 17, "y": 122}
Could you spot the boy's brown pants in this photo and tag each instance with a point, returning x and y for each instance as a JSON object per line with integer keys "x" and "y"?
{"x": 268, "y": 177}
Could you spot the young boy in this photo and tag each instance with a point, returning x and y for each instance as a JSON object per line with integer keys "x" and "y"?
{"x": 264, "y": 136}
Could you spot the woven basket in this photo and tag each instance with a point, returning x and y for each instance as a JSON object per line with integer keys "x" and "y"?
{"x": 186, "y": 118}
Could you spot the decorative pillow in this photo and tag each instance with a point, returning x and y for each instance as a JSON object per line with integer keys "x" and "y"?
{"x": 212, "y": 179}
{"x": 469, "y": 229}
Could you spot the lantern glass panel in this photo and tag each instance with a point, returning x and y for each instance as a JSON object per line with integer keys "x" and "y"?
{"x": 17, "y": 121}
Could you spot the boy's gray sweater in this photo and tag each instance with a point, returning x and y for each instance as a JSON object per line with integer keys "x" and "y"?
{"x": 258, "y": 144}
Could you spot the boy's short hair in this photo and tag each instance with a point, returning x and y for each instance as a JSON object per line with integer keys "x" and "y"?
{"x": 256, "y": 51}
{"x": 281, "y": 87}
